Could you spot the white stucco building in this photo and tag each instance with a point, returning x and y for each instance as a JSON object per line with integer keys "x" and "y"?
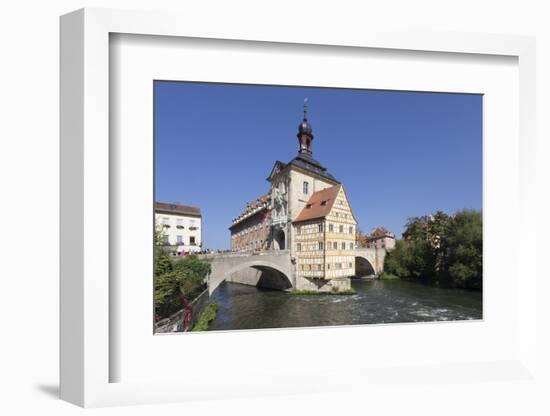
{"x": 181, "y": 226}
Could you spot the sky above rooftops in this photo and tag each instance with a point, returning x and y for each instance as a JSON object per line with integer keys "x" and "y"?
{"x": 398, "y": 154}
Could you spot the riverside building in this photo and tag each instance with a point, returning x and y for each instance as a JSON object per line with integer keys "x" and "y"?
{"x": 181, "y": 226}
{"x": 307, "y": 212}
{"x": 380, "y": 237}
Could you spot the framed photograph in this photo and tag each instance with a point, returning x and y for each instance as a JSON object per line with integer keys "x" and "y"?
{"x": 261, "y": 205}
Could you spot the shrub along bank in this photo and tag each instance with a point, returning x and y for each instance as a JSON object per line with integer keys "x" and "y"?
{"x": 443, "y": 249}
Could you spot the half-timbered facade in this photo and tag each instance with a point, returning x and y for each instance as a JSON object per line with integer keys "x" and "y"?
{"x": 324, "y": 246}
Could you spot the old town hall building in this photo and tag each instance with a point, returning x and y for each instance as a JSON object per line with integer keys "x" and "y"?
{"x": 307, "y": 212}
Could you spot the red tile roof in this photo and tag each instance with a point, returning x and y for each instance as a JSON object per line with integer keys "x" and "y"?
{"x": 260, "y": 202}
{"x": 379, "y": 232}
{"x": 319, "y": 205}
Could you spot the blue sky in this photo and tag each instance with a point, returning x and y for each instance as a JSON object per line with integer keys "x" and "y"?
{"x": 398, "y": 154}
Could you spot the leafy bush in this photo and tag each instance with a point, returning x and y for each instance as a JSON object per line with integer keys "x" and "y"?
{"x": 389, "y": 276}
{"x": 439, "y": 248}
{"x": 207, "y": 316}
{"x": 177, "y": 282}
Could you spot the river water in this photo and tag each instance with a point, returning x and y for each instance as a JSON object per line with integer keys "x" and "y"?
{"x": 376, "y": 301}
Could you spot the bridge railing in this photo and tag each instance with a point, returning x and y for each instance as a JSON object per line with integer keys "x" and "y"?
{"x": 243, "y": 254}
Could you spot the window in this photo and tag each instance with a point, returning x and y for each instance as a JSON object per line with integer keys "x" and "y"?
{"x": 179, "y": 239}
{"x": 321, "y": 245}
{"x": 331, "y": 228}
{"x": 299, "y": 247}
{"x": 335, "y": 245}
{"x": 328, "y": 266}
{"x": 192, "y": 240}
{"x": 298, "y": 230}
{"x": 341, "y": 228}
{"x": 343, "y": 245}
{"x": 165, "y": 220}
{"x": 323, "y": 203}
{"x": 166, "y": 239}
{"x": 306, "y": 187}
{"x": 319, "y": 267}
{"x": 338, "y": 265}
{"x": 351, "y": 230}
{"x": 351, "y": 246}
{"x": 351, "y": 265}
{"x": 320, "y": 228}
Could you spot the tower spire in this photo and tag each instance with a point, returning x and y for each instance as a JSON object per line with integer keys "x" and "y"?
{"x": 305, "y": 134}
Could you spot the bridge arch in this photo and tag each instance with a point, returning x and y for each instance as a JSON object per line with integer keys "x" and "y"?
{"x": 271, "y": 275}
{"x": 374, "y": 256}
{"x": 363, "y": 267}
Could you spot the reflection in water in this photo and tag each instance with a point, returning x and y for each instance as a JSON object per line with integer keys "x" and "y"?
{"x": 378, "y": 301}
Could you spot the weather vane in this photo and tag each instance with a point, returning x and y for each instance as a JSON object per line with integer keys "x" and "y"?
{"x": 305, "y": 108}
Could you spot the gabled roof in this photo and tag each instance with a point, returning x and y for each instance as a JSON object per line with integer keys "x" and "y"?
{"x": 305, "y": 162}
{"x": 319, "y": 205}
{"x": 177, "y": 209}
{"x": 380, "y": 232}
{"x": 277, "y": 167}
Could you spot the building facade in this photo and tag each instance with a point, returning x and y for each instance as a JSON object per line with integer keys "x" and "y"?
{"x": 181, "y": 226}
{"x": 251, "y": 230}
{"x": 380, "y": 237}
{"x": 307, "y": 212}
{"x": 324, "y": 242}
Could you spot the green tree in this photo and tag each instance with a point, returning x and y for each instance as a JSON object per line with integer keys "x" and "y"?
{"x": 416, "y": 228}
{"x": 163, "y": 262}
{"x": 191, "y": 272}
{"x": 176, "y": 281}
{"x": 396, "y": 262}
{"x": 440, "y": 248}
{"x": 414, "y": 259}
{"x": 463, "y": 248}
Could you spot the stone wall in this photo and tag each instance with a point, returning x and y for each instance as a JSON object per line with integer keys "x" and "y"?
{"x": 174, "y": 323}
{"x": 319, "y": 285}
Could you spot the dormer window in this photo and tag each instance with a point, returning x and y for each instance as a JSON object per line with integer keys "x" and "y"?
{"x": 323, "y": 203}
{"x": 308, "y": 206}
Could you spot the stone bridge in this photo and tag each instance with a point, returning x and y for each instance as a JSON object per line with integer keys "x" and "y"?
{"x": 369, "y": 261}
{"x": 270, "y": 269}
{"x": 275, "y": 270}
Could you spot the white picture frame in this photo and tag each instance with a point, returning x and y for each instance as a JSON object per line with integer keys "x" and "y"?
{"x": 85, "y": 182}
